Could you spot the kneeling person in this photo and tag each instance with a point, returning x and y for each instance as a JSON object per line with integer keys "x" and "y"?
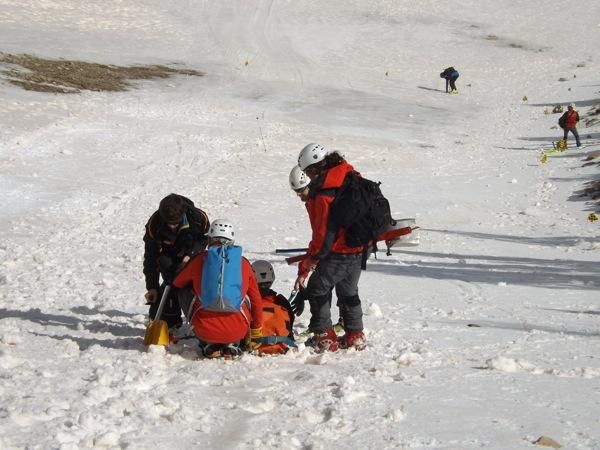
{"x": 221, "y": 297}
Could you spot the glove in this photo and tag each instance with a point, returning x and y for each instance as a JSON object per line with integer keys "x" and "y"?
{"x": 297, "y": 299}
{"x": 167, "y": 268}
{"x": 305, "y": 267}
{"x": 255, "y": 333}
{"x": 151, "y": 296}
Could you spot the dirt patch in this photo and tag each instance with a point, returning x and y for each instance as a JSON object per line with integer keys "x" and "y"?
{"x": 68, "y": 77}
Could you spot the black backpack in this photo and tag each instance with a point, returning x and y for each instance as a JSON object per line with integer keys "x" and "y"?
{"x": 447, "y": 72}
{"x": 562, "y": 120}
{"x": 361, "y": 209}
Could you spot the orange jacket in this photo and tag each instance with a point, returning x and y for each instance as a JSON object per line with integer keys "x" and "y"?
{"x": 221, "y": 327}
{"x": 325, "y": 238}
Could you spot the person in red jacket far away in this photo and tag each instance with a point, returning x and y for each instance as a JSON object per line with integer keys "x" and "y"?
{"x": 568, "y": 122}
{"x": 333, "y": 264}
{"x": 220, "y": 332}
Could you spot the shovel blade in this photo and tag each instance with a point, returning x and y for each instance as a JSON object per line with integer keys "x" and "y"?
{"x": 157, "y": 333}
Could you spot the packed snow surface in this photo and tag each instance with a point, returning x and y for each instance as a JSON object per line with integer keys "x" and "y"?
{"x": 486, "y": 335}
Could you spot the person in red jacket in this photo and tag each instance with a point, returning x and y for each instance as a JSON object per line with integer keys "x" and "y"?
{"x": 220, "y": 331}
{"x": 568, "y": 122}
{"x": 333, "y": 264}
{"x": 299, "y": 183}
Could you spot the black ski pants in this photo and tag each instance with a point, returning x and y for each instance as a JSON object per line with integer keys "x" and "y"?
{"x": 575, "y": 133}
{"x": 342, "y": 273}
{"x": 171, "y": 312}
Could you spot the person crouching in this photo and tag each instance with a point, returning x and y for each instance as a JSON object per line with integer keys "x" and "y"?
{"x": 220, "y": 295}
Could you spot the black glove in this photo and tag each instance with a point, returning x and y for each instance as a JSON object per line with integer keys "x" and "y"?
{"x": 297, "y": 299}
{"x": 167, "y": 268}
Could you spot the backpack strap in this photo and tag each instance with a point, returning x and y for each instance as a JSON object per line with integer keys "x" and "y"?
{"x": 269, "y": 340}
{"x": 284, "y": 303}
{"x": 364, "y": 257}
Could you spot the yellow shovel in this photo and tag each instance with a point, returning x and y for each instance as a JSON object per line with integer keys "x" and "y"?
{"x": 157, "y": 331}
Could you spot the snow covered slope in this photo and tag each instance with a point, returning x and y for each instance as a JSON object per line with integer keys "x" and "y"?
{"x": 485, "y": 335}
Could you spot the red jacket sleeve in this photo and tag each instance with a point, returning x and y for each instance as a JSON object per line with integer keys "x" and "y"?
{"x": 318, "y": 211}
{"x": 190, "y": 274}
{"x": 253, "y": 293}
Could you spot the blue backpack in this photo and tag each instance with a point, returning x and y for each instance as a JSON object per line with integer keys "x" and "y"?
{"x": 222, "y": 279}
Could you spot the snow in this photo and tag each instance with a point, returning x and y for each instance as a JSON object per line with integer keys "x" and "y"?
{"x": 486, "y": 334}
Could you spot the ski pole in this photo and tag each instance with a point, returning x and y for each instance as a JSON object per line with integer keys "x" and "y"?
{"x": 290, "y": 250}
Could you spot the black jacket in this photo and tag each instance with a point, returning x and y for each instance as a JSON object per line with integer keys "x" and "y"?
{"x": 159, "y": 240}
{"x": 449, "y": 73}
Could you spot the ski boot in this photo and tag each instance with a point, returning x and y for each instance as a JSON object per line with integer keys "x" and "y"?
{"x": 224, "y": 351}
{"x": 354, "y": 339}
{"x": 325, "y": 341}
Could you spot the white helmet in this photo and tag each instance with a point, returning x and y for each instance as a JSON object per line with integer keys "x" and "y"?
{"x": 298, "y": 179}
{"x": 311, "y": 154}
{"x": 263, "y": 271}
{"x": 221, "y": 228}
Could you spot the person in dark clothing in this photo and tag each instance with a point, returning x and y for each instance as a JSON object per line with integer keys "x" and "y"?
{"x": 568, "y": 122}
{"x": 174, "y": 233}
{"x": 450, "y": 74}
{"x": 332, "y": 262}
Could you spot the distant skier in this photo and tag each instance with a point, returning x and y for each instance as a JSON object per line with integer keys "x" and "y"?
{"x": 450, "y": 74}
{"x": 568, "y": 122}
{"x": 173, "y": 235}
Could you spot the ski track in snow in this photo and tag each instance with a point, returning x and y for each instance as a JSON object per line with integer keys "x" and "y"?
{"x": 485, "y": 335}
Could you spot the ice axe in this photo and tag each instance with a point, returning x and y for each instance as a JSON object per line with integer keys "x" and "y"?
{"x": 157, "y": 331}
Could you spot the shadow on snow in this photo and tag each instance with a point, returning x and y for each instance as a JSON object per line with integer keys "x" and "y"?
{"x": 126, "y": 336}
{"x": 546, "y": 273}
{"x": 528, "y": 327}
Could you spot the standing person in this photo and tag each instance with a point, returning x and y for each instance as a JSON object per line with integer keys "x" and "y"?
{"x": 299, "y": 182}
{"x": 333, "y": 264}
{"x": 450, "y": 74}
{"x": 174, "y": 233}
{"x": 217, "y": 300}
{"x": 568, "y": 122}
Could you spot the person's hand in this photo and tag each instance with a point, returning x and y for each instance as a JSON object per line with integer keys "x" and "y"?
{"x": 300, "y": 282}
{"x": 151, "y": 296}
{"x": 305, "y": 267}
{"x": 183, "y": 262}
{"x": 297, "y": 300}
